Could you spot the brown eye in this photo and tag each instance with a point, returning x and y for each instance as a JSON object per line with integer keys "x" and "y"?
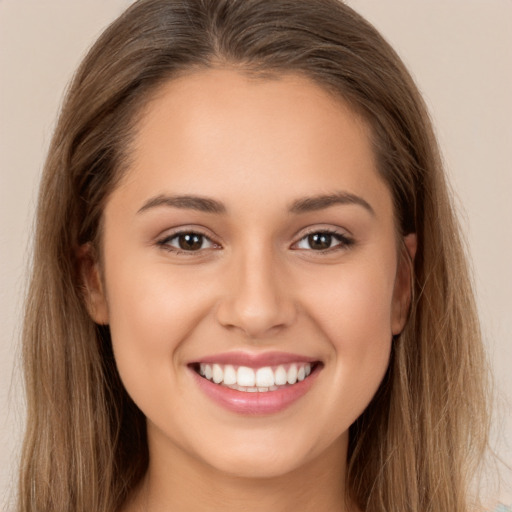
{"x": 320, "y": 241}
{"x": 190, "y": 241}
{"x": 186, "y": 241}
{"x": 324, "y": 241}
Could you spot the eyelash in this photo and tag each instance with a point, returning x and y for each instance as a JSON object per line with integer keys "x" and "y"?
{"x": 344, "y": 242}
{"x": 164, "y": 243}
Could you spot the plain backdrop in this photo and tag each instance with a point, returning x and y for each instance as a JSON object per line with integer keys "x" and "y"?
{"x": 460, "y": 53}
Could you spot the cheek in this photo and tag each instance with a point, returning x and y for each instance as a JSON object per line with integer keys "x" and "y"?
{"x": 150, "y": 303}
{"x": 353, "y": 310}
{"x": 151, "y": 313}
{"x": 352, "y": 304}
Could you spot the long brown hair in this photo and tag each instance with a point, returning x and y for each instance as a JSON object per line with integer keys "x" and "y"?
{"x": 416, "y": 446}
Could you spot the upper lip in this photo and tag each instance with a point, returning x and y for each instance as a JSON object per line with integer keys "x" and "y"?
{"x": 253, "y": 360}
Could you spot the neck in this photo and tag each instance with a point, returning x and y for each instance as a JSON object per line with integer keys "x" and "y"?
{"x": 175, "y": 481}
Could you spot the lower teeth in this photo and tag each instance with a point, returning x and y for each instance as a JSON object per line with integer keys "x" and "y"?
{"x": 252, "y": 389}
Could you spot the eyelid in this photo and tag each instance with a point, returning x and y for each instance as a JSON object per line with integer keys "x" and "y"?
{"x": 163, "y": 240}
{"x": 345, "y": 240}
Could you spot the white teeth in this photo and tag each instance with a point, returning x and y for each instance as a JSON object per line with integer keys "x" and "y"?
{"x": 265, "y": 377}
{"x": 245, "y": 376}
{"x": 217, "y": 374}
{"x": 280, "y": 376}
{"x": 292, "y": 374}
{"x": 261, "y": 380}
{"x": 229, "y": 375}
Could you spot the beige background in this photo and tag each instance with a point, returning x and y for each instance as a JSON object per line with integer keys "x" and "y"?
{"x": 460, "y": 52}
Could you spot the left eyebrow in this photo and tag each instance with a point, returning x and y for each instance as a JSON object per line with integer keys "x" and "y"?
{"x": 320, "y": 202}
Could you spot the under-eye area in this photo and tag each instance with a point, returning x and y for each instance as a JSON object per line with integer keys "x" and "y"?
{"x": 263, "y": 379}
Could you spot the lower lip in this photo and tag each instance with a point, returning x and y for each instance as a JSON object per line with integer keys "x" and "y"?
{"x": 256, "y": 403}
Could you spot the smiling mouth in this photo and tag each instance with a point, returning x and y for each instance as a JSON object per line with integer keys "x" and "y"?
{"x": 263, "y": 379}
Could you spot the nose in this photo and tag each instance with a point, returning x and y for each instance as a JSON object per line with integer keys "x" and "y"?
{"x": 258, "y": 299}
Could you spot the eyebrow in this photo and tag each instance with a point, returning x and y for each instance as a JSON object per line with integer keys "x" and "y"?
{"x": 187, "y": 202}
{"x": 302, "y": 205}
{"x": 320, "y": 202}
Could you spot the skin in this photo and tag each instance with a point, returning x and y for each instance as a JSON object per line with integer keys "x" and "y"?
{"x": 256, "y": 285}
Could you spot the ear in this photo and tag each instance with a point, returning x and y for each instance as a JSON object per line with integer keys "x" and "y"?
{"x": 93, "y": 288}
{"x": 402, "y": 292}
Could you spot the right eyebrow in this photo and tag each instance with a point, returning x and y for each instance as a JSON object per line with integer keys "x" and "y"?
{"x": 188, "y": 202}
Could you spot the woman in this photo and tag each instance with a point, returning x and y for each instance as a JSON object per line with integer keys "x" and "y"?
{"x": 248, "y": 279}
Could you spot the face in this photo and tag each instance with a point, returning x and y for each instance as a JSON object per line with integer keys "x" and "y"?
{"x": 250, "y": 276}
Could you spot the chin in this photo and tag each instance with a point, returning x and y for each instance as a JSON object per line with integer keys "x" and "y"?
{"x": 258, "y": 466}
{"x": 270, "y": 458}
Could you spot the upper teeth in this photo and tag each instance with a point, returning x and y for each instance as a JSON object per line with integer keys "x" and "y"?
{"x": 266, "y": 378}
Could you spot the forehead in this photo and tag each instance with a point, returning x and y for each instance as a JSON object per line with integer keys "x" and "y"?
{"x": 216, "y": 131}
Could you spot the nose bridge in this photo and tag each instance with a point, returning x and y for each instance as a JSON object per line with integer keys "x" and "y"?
{"x": 257, "y": 300}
